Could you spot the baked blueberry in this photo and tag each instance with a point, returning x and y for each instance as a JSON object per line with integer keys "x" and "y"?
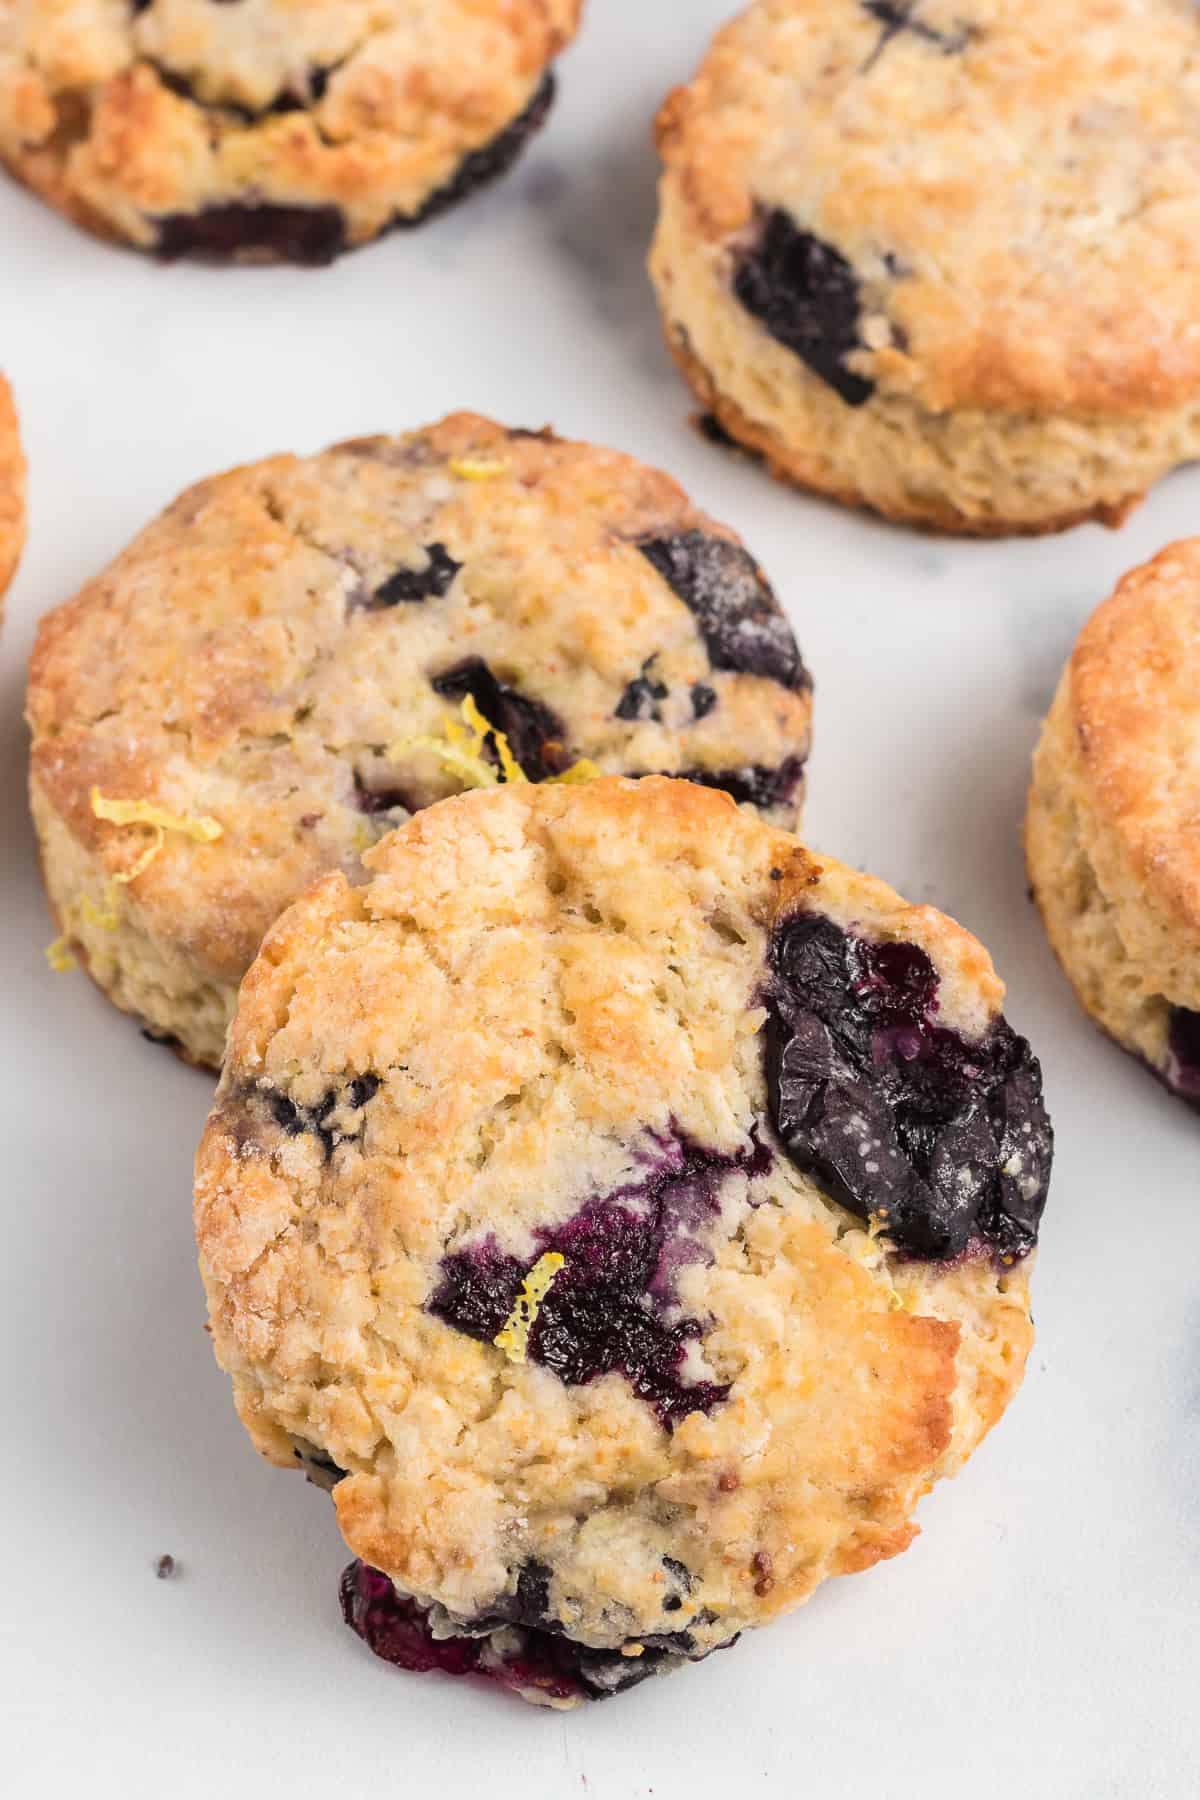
{"x": 808, "y": 297}
{"x": 643, "y": 1295}
{"x": 407, "y": 586}
{"x": 536, "y": 736}
{"x": 739, "y": 617}
{"x": 767, "y": 789}
{"x": 615, "y": 1305}
{"x": 643, "y": 697}
{"x": 364, "y": 632}
{"x": 900, "y": 16}
{"x": 942, "y": 1142}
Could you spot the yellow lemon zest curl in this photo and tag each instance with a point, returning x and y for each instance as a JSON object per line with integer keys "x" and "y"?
{"x": 513, "y": 1336}
{"x": 461, "y": 751}
{"x": 199, "y": 827}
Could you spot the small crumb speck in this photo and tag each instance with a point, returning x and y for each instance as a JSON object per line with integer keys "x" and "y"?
{"x": 166, "y": 1567}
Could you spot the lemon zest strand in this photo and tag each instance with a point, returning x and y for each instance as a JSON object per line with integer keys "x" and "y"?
{"x": 58, "y": 955}
{"x": 472, "y": 771}
{"x": 513, "y": 1336}
{"x": 145, "y": 859}
{"x": 583, "y": 770}
{"x": 461, "y": 752}
{"x": 200, "y": 826}
{"x": 477, "y": 468}
{"x": 510, "y": 767}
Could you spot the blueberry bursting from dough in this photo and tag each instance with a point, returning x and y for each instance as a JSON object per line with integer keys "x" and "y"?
{"x": 315, "y": 235}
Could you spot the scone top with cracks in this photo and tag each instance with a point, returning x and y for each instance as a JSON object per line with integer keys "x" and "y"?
{"x": 1113, "y": 830}
{"x": 269, "y": 128}
{"x": 627, "y": 1213}
{"x": 917, "y": 224}
{"x": 289, "y": 650}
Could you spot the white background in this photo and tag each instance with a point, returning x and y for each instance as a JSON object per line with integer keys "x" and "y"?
{"x": 1042, "y": 1636}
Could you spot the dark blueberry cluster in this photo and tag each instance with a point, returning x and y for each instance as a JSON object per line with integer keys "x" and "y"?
{"x": 740, "y": 620}
{"x": 315, "y": 235}
{"x": 1183, "y": 1043}
{"x": 318, "y": 1466}
{"x": 807, "y": 296}
{"x": 322, "y": 1120}
{"x": 536, "y": 736}
{"x": 643, "y": 696}
{"x": 238, "y": 231}
{"x": 408, "y": 586}
{"x": 612, "y": 1304}
{"x": 490, "y": 161}
{"x": 538, "y": 1657}
{"x": 945, "y": 1142}
{"x": 900, "y": 16}
{"x": 756, "y": 782}
{"x": 372, "y": 800}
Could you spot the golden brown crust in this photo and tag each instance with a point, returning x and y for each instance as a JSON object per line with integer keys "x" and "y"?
{"x": 12, "y": 489}
{"x": 120, "y": 117}
{"x": 1014, "y": 374}
{"x": 788, "y": 463}
{"x": 1113, "y": 826}
{"x": 235, "y": 663}
{"x": 543, "y": 982}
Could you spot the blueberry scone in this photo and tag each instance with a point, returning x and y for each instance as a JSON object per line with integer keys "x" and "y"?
{"x": 12, "y": 489}
{"x": 1113, "y": 828}
{"x": 299, "y": 654}
{"x": 269, "y": 129}
{"x": 627, "y": 1214}
{"x": 937, "y": 257}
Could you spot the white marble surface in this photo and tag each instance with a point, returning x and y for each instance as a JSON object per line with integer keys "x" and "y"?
{"x": 1043, "y": 1635}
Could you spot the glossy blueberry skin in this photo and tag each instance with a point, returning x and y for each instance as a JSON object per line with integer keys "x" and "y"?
{"x": 610, "y": 1307}
{"x": 740, "y": 620}
{"x": 947, "y": 1143}
{"x": 808, "y": 297}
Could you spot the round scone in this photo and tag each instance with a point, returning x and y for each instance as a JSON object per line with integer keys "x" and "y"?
{"x": 937, "y": 257}
{"x": 269, "y": 129}
{"x": 1112, "y": 834}
{"x": 626, "y": 1213}
{"x": 12, "y": 489}
{"x": 300, "y": 653}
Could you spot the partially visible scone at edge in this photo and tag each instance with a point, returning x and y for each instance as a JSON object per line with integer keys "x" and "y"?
{"x": 1113, "y": 828}
{"x": 12, "y": 489}
{"x": 627, "y": 1214}
{"x": 938, "y": 258}
{"x": 298, "y": 654}
{"x": 274, "y": 130}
